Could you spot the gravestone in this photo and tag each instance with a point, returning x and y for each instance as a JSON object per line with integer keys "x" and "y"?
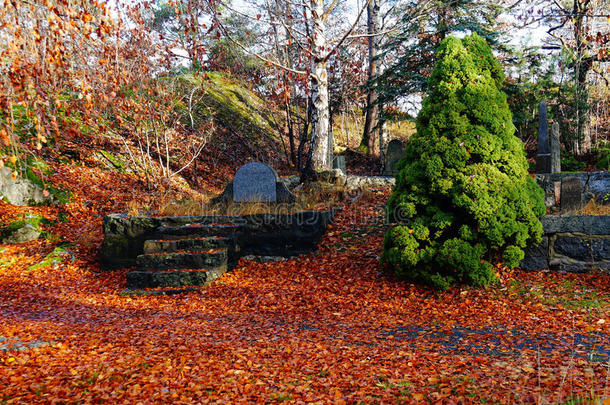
{"x": 255, "y": 182}
{"x": 394, "y": 153}
{"x": 555, "y": 149}
{"x": 571, "y": 194}
{"x": 339, "y": 163}
{"x": 543, "y": 159}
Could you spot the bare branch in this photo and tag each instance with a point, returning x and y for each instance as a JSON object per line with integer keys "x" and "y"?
{"x": 256, "y": 55}
{"x": 328, "y": 55}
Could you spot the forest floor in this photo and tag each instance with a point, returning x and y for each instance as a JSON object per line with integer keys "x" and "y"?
{"x": 332, "y": 326}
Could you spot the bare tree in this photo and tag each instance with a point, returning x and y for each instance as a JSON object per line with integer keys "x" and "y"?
{"x": 578, "y": 29}
{"x": 304, "y": 25}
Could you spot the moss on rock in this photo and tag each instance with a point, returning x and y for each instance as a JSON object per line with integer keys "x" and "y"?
{"x": 52, "y": 259}
{"x": 22, "y": 230}
{"x": 115, "y": 161}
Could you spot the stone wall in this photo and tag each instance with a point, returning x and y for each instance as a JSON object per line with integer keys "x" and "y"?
{"x": 571, "y": 243}
{"x": 595, "y": 186}
{"x": 258, "y": 234}
{"x": 351, "y": 182}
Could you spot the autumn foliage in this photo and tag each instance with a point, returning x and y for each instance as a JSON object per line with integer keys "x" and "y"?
{"x": 327, "y": 327}
{"x": 333, "y": 326}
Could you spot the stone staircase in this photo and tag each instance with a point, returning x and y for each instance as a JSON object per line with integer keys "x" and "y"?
{"x": 187, "y": 255}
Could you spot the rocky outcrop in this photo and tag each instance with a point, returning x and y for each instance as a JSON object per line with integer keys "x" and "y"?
{"x": 22, "y": 230}
{"x": 20, "y": 191}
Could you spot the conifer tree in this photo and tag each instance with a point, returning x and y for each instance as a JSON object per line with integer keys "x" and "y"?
{"x": 463, "y": 197}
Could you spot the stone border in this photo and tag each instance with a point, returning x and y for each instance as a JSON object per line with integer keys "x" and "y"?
{"x": 283, "y": 235}
{"x": 571, "y": 243}
{"x": 595, "y": 186}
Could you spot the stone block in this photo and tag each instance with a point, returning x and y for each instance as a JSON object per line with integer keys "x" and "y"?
{"x": 255, "y": 182}
{"x": 571, "y": 194}
{"x": 585, "y": 224}
{"x": 339, "y": 163}
{"x": 536, "y": 257}
{"x": 582, "y": 248}
{"x": 394, "y": 153}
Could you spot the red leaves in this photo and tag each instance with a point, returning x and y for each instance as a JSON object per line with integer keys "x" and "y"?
{"x": 330, "y": 326}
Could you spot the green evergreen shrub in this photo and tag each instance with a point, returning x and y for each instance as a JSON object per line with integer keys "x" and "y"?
{"x": 463, "y": 197}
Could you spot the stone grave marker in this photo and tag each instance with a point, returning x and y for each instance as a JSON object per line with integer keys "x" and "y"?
{"x": 571, "y": 194}
{"x": 394, "y": 153}
{"x": 555, "y": 149}
{"x": 255, "y": 182}
{"x": 543, "y": 159}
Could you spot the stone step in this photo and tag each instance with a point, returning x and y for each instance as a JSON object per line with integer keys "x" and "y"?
{"x": 208, "y": 260}
{"x": 220, "y": 219}
{"x": 172, "y": 278}
{"x": 197, "y": 230}
{"x": 192, "y": 244}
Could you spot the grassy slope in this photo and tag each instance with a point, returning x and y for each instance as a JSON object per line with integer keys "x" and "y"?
{"x": 246, "y": 128}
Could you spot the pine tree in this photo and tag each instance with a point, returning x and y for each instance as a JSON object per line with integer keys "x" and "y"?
{"x": 463, "y": 198}
{"x": 412, "y": 50}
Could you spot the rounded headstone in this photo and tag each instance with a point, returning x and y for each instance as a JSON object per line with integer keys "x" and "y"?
{"x": 255, "y": 182}
{"x": 394, "y": 153}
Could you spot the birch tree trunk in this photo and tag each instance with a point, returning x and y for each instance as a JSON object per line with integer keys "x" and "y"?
{"x": 372, "y": 109}
{"x": 319, "y": 91}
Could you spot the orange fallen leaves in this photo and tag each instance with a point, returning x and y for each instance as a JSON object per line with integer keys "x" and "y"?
{"x": 329, "y": 327}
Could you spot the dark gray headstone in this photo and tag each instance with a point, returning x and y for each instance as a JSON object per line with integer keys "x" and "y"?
{"x": 255, "y": 182}
{"x": 543, "y": 130}
{"x": 543, "y": 159}
{"x": 571, "y": 194}
{"x": 555, "y": 149}
{"x": 394, "y": 153}
{"x": 339, "y": 163}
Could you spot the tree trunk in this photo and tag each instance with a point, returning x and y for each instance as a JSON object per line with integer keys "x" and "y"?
{"x": 319, "y": 92}
{"x": 382, "y": 140}
{"x": 372, "y": 109}
{"x": 302, "y": 160}
{"x": 583, "y": 65}
{"x": 290, "y": 129}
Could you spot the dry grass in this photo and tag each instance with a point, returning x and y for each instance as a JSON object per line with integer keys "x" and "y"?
{"x": 316, "y": 196}
{"x": 593, "y": 208}
{"x": 347, "y": 130}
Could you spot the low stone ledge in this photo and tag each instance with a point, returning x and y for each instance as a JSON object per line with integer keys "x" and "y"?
{"x": 585, "y": 224}
{"x": 571, "y": 243}
{"x": 369, "y": 182}
{"x": 259, "y": 234}
{"x": 351, "y": 182}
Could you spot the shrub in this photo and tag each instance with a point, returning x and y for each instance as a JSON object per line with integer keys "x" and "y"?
{"x": 463, "y": 197}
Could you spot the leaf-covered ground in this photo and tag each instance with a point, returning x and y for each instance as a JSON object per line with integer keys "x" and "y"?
{"x": 328, "y": 327}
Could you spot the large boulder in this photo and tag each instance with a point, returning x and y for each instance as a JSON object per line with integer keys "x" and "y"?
{"x": 20, "y": 191}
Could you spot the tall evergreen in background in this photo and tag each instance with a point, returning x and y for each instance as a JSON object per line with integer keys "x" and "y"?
{"x": 411, "y": 53}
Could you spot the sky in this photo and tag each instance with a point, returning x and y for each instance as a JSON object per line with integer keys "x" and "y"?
{"x": 531, "y": 36}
